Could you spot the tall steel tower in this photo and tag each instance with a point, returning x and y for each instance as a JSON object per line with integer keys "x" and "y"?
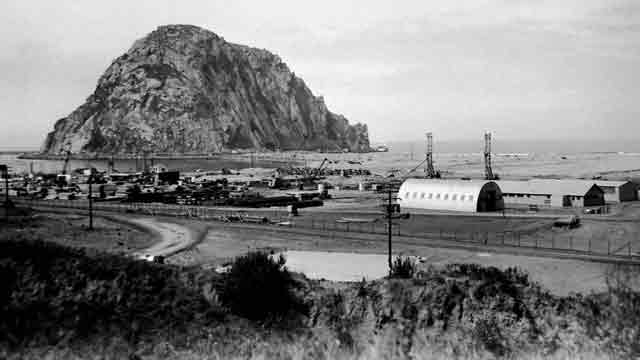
{"x": 488, "y": 172}
{"x": 429, "y": 170}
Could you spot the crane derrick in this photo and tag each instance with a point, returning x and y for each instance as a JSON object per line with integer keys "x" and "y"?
{"x": 488, "y": 172}
{"x": 429, "y": 170}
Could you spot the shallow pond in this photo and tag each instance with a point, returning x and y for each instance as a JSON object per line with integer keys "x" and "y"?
{"x": 337, "y": 266}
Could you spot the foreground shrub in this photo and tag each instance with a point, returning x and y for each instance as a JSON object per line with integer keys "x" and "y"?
{"x": 478, "y": 272}
{"x": 51, "y": 292}
{"x": 259, "y": 287}
{"x": 613, "y": 317}
{"x": 403, "y": 268}
{"x": 486, "y": 331}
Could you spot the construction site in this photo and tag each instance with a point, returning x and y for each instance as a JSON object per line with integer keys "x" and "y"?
{"x": 362, "y": 203}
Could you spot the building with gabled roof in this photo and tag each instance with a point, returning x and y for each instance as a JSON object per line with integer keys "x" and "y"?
{"x": 618, "y": 191}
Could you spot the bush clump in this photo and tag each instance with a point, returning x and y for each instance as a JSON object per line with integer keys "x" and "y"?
{"x": 51, "y": 292}
{"x": 259, "y": 287}
{"x": 403, "y": 268}
{"x": 486, "y": 330}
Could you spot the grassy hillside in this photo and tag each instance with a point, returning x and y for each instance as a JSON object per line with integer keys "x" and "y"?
{"x": 61, "y": 302}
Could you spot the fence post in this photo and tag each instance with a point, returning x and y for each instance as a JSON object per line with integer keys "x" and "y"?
{"x": 629, "y": 244}
{"x": 589, "y": 245}
{"x": 608, "y": 246}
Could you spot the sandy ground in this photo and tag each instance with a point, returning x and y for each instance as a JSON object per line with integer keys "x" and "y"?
{"x": 224, "y": 242}
{"x": 578, "y": 276}
{"x": 139, "y": 236}
{"x": 173, "y": 238}
{"x": 72, "y": 230}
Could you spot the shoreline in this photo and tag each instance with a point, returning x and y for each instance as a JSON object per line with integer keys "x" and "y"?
{"x": 264, "y": 156}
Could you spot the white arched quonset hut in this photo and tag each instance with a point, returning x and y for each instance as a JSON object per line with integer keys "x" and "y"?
{"x": 450, "y": 195}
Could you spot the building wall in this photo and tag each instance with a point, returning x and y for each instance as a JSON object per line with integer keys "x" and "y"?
{"x": 628, "y": 192}
{"x": 611, "y": 193}
{"x": 527, "y": 199}
{"x": 571, "y": 201}
{"x": 558, "y": 200}
{"x": 594, "y": 197}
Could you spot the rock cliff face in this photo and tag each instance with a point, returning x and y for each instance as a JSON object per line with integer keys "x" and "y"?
{"x": 184, "y": 89}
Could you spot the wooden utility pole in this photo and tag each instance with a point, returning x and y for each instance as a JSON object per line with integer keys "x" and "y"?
{"x": 390, "y": 210}
{"x": 91, "y": 199}
{"x": 390, "y": 220}
{"x": 5, "y": 172}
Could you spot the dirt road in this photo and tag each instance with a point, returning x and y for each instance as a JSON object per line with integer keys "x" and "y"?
{"x": 173, "y": 237}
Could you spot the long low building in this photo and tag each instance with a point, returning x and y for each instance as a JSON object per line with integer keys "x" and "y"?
{"x": 552, "y": 193}
{"x": 450, "y": 195}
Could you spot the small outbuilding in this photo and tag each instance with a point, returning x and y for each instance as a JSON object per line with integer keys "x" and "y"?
{"x": 618, "y": 191}
{"x": 450, "y": 195}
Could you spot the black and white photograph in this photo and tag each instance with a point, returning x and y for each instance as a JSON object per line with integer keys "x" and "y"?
{"x": 209, "y": 179}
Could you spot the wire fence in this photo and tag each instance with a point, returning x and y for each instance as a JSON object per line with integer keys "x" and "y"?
{"x": 548, "y": 238}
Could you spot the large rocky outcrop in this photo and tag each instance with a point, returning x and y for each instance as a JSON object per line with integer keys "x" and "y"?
{"x": 184, "y": 89}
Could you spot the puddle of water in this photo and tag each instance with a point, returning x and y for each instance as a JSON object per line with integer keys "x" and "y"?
{"x": 337, "y": 266}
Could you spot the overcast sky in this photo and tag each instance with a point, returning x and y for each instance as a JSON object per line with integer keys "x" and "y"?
{"x": 524, "y": 69}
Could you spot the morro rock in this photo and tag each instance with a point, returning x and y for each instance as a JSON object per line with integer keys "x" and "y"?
{"x": 183, "y": 89}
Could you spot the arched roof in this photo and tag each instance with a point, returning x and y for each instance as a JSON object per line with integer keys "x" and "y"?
{"x": 450, "y": 195}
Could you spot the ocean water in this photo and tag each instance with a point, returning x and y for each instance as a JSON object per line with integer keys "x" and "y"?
{"x": 510, "y": 146}
{"x": 511, "y": 159}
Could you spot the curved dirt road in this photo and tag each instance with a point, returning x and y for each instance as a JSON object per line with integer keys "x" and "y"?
{"x": 173, "y": 237}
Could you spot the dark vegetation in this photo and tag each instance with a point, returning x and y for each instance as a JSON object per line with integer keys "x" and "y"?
{"x": 487, "y": 309}
{"x": 259, "y": 287}
{"x": 51, "y": 293}
{"x": 56, "y": 296}
{"x": 403, "y": 268}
